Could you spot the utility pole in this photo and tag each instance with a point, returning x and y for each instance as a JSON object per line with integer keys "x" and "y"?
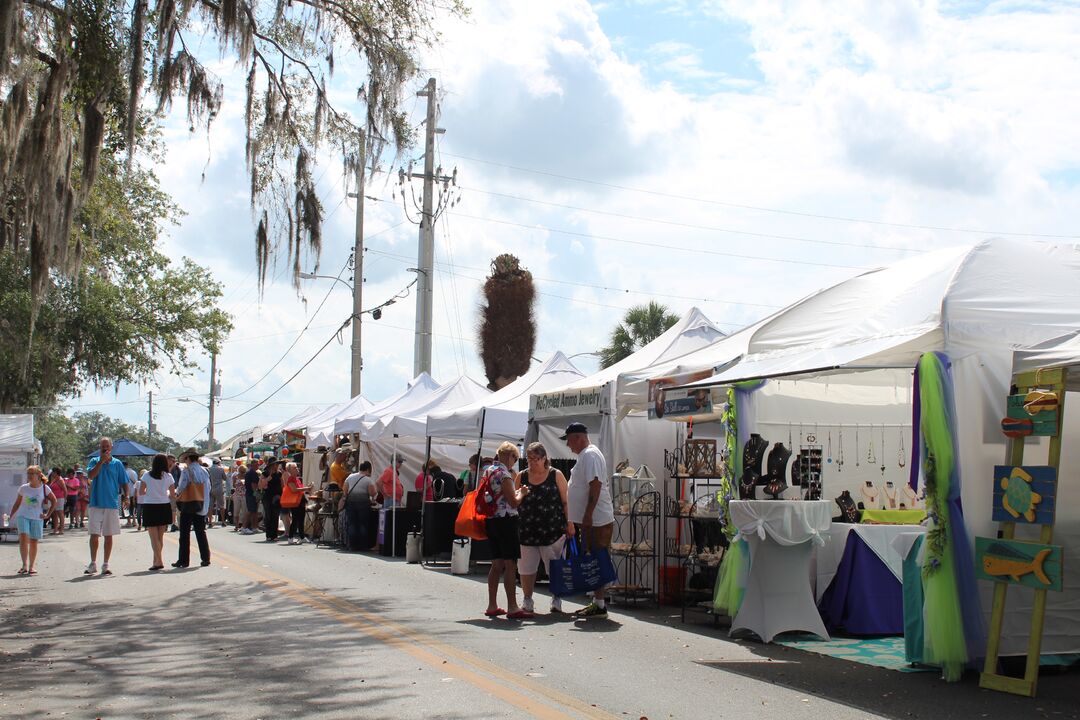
{"x": 426, "y": 258}
{"x": 150, "y": 414}
{"x": 213, "y": 397}
{"x": 358, "y": 267}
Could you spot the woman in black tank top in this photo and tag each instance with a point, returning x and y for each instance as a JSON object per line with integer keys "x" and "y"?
{"x": 542, "y": 520}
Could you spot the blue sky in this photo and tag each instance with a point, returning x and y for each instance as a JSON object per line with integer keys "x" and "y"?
{"x": 723, "y": 154}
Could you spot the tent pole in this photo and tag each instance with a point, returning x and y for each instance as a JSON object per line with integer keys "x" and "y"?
{"x": 480, "y": 447}
{"x": 394, "y": 479}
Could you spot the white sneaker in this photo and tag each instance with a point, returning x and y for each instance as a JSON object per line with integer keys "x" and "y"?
{"x": 90, "y": 569}
{"x": 527, "y": 604}
{"x": 556, "y": 605}
{"x": 247, "y": 531}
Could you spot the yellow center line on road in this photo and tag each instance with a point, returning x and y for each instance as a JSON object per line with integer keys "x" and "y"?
{"x": 485, "y": 675}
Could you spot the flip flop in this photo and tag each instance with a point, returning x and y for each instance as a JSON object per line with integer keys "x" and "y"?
{"x": 520, "y": 615}
{"x": 21, "y": 571}
{"x": 31, "y": 572}
{"x": 494, "y": 613}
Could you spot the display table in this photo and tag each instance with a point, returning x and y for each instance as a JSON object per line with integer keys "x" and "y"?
{"x": 438, "y": 530}
{"x": 781, "y": 535}
{"x": 860, "y": 578}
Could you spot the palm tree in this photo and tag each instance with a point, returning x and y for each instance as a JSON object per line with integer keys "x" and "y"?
{"x": 641, "y": 325}
{"x": 507, "y": 325}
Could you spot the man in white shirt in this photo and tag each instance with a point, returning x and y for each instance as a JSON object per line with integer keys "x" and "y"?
{"x": 588, "y": 496}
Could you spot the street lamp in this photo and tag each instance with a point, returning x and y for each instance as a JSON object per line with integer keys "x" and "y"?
{"x": 193, "y": 401}
{"x": 313, "y": 276}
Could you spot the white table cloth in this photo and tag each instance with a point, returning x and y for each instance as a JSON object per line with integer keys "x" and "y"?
{"x": 881, "y": 539}
{"x": 781, "y": 535}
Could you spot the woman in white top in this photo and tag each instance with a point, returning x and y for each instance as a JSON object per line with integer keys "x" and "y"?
{"x": 33, "y": 503}
{"x": 156, "y": 493}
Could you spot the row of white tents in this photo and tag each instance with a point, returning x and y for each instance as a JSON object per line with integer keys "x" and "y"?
{"x": 836, "y": 361}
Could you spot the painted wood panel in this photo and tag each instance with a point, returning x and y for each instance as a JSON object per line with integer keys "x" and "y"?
{"x": 1032, "y": 565}
{"x": 1025, "y": 494}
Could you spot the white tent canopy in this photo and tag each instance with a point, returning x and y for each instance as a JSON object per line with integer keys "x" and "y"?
{"x": 410, "y": 420}
{"x": 17, "y": 433}
{"x": 357, "y": 421}
{"x": 1063, "y": 351}
{"x": 504, "y": 414}
{"x": 297, "y": 421}
{"x": 320, "y": 429}
{"x": 977, "y": 304}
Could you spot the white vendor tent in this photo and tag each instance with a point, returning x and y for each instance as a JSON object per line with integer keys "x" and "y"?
{"x": 591, "y": 400}
{"x": 297, "y": 421}
{"x": 409, "y": 419}
{"x": 321, "y": 429}
{"x": 17, "y": 450}
{"x": 504, "y": 414}
{"x": 844, "y": 356}
{"x": 357, "y": 421}
{"x": 1063, "y": 351}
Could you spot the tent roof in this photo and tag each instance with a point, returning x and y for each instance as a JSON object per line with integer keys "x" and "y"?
{"x": 962, "y": 300}
{"x": 16, "y": 433}
{"x": 123, "y": 447}
{"x": 297, "y": 421}
{"x": 356, "y": 422}
{"x": 692, "y": 332}
{"x": 320, "y": 428}
{"x": 505, "y": 412}
{"x": 1062, "y": 351}
{"x": 409, "y": 419}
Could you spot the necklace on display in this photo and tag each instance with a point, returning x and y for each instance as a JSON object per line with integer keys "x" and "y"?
{"x": 890, "y": 494}
{"x": 829, "y": 459}
{"x": 871, "y": 457}
{"x": 789, "y": 434}
{"x": 902, "y": 454}
{"x": 840, "y": 455}
{"x": 883, "y": 450}
{"x": 856, "y": 446}
{"x": 870, "y": 495}
{"x": 912, "y": 497}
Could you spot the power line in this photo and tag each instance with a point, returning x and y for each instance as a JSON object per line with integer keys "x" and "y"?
{"x": 759, "y": 208}
{"x": 693, "y": 226}
{"x": 643, "y": 243}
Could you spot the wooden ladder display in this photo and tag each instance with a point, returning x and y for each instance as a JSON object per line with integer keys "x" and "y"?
{"x": 1025, "y": 495}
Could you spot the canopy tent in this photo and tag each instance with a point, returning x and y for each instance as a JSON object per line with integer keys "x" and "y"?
{"x": 297, "y": 421}
{"x": 320, "y": 429}
{"x": 356, "y": 422}
{"x": 123, "y": 447}
{"x": 1062, "y": 351}
{"x": 408, "y": 419}
{"x": 243, "y": 438}
{"x": 591, "y": 400}
{"x": 504, "y": 414}
{"x": 976, "y": 304}
{"x": 17, "y": 450}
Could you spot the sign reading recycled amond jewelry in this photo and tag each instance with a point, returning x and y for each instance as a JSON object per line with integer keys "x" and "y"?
{"x": 584, "y": 401}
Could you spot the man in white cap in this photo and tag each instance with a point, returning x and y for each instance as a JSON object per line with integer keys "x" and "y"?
{"x": 588, "y": 496}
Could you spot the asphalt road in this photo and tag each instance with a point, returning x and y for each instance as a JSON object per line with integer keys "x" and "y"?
{"x": 278, "y": 631}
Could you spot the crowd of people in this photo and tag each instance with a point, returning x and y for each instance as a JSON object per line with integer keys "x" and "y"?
{"x": 532, "y": 512}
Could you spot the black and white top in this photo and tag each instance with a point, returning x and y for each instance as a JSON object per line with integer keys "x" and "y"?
{"x": 542, "y": 520}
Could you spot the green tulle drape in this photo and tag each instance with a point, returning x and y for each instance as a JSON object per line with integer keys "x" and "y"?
{"x": 728, "y": 593}
{"x": 944, "y": 641}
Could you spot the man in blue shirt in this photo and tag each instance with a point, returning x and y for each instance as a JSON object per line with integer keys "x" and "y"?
{"x": 108, "y": 482}
{"x": 193, "y": 498}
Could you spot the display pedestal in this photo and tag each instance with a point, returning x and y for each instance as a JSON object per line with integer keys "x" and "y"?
{"x": 781, "y": 535}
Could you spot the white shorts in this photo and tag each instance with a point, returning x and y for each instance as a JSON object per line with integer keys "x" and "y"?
{"x": 103, "y": 521}
{"x": 532, "y": 555}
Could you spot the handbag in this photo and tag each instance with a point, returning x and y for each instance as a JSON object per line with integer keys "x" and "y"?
{"x": 580, "y": 573}
{"x": 469, "y": 522}
{"x": 291, "y": 498}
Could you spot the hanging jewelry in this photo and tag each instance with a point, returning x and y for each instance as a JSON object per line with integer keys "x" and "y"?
{"x": 902, "y": 454}
{"x": 883, "y": 450}
{"x": 871, "y": 457}
{"x": 789, "y": 435}
{"x": 829, "y": 459}
{"x": 840, "y": 456}
{"x": 856, "y": 446}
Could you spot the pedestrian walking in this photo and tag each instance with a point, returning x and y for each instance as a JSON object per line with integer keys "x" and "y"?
{"x": 502, "y": 532}
{"x": 33, "y": 503}
{"x": 252, "y": 483}
{"x": 156, "y": 494}
{"x": 108, "y": 484}
{"x": 58, "y": 485}
{"x": 217, "y": 493}
{"x": 71, "y": 482}
{"x": 193, "y": 500}
{"x": 132, "y": 481}
{"x": 239, "y": 507}
{"x": 82, "y": 500}
{"x": 294, "y": 499}
{"x": 543, "y": 524}
{"x": 271, "y": 487}
{"x": 589, "y": 503}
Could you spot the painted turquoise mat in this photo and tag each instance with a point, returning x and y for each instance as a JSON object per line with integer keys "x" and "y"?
{"x": 885, "y": 652}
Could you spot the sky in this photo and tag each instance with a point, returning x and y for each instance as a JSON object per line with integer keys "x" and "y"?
{"x": 726, "y": 154}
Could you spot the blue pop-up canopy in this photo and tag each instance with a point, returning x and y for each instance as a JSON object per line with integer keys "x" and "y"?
{"x": 123, "y": 447}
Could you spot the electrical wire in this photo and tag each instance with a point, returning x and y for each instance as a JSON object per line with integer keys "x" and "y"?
{"x": 759, "y": 208}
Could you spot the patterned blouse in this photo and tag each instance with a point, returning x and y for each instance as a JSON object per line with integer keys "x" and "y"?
{"x": 542, "y": 517}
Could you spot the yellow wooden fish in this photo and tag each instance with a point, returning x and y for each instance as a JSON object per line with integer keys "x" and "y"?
{"x": 1003, "y": 561}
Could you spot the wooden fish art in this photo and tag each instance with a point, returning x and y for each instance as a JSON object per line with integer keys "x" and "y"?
{"x": 1000, "y": 560}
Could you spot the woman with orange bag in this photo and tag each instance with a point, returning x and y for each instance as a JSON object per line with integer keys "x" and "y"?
{"x": 294, "y": 500}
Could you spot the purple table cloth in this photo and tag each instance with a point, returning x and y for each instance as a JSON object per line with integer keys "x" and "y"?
{"x": 864, "y": 598}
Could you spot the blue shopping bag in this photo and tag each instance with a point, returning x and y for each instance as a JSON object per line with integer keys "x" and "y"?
{"x": 579, "y": 573}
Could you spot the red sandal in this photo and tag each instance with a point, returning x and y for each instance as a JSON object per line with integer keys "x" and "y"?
{"x": 494, "y": 613}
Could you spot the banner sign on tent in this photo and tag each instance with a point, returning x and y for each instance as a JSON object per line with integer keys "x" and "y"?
{"x": 584, "y": 401}
{"x": 681, "y": 403}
